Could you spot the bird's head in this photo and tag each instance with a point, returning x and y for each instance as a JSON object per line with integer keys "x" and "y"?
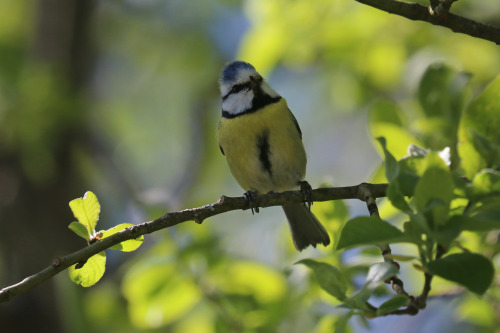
{"x": 240, "y": 84}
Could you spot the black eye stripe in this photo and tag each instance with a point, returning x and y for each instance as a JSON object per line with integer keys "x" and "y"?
{"x": 237, "y": 88}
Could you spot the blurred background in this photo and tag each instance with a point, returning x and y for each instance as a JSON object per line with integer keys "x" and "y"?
{"x": 120, "y": 97}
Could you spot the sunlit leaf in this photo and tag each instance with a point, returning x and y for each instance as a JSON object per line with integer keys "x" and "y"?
{"x": 329, "y": 278}
{"x": 90, "y": 272}
{"x": 79, "y": 229}
{"x": 86, "y": 210}
{"x": 126, "y": 246}
{"x": 473, "y": 271}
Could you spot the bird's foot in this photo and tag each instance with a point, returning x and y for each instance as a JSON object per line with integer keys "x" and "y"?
{"x": 250, "y": 197}
{"x": 306, "y": 190}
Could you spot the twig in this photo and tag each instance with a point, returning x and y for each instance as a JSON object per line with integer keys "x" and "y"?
{"x": 224, "y": 204}
{"x": 396, "y": 283}
{"x": 417, "y": 12}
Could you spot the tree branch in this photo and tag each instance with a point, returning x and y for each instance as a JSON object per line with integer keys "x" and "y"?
{"x": 417, "y": 12}
{"x": 224, "y": 204}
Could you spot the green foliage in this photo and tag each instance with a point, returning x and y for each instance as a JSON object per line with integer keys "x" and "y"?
{"x": 86, "y": 210}
{"x": 155, "y": 106}
{"x": 430, "y": 193}
{"x": 433, "y": 200}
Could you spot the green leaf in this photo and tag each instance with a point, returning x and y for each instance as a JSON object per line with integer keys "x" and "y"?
{"x": 473, "y": 271}
{"x": 126, "y": 246}
{"x": 329, "y": 278}
{"x": 434, "y": 191}
{"x": 393, "y": 304}
{"x": 91, "y": 272}
{"x": 86, "y": 210}
{"x": 366, "y": 230}
{"x": 391, "y": 165}
{"x": 80, "y": 230}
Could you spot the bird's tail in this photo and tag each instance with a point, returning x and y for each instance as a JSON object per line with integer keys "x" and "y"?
{"x": 305, "y": 227}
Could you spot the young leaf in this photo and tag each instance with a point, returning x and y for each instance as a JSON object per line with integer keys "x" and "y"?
{"x": 126, "y": 246}
{"x": 473, "y": 271}
{"x": 86, "y": 210}
{"x": 91, "y": 272}
{"x": 329, "y": 278}
{"x": 393, "y": 304}
{"x": 80, "y": 230}
{"x": 366, "y": 230}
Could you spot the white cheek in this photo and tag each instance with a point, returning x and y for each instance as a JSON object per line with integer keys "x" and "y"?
{"x": 238, "y": 103}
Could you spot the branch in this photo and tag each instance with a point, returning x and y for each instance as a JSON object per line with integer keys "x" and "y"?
{"x": 224, "y": 204}
{"x": 417, "y": 12}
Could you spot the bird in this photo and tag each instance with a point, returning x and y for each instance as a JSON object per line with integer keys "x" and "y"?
{"x": 262, "y": 142}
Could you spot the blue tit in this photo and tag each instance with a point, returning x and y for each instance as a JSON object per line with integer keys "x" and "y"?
{"x": 262, "y": 142}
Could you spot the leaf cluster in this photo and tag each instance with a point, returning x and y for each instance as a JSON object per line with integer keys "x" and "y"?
{"x": 437, "y": 195}
{"x": 86, "y": 210}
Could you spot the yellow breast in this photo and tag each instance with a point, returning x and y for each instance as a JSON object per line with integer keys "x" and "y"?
{"x": 277, "y": 167}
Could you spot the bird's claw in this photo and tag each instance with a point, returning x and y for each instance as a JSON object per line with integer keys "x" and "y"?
{"x": 250, "y": 197}
{"x": 306, "y": 190}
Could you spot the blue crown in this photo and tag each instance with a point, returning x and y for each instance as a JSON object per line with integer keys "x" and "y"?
{"x": 230, "y": 72}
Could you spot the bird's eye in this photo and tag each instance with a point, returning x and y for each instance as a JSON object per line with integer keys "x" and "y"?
{"x": 237, "y": 88}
